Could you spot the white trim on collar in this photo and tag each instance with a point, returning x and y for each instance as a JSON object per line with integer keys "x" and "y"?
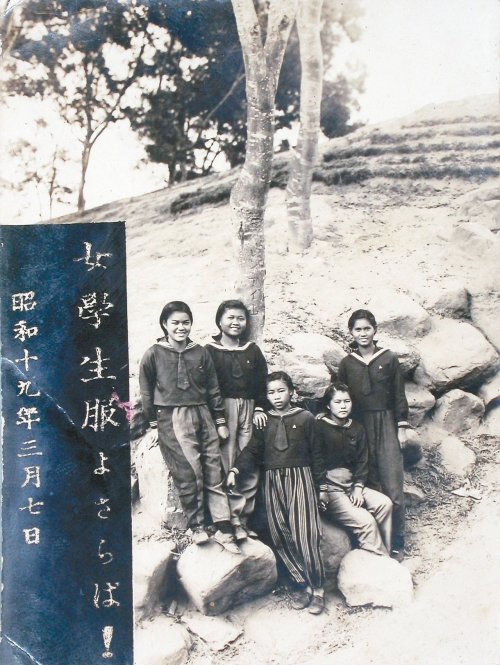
{"x": 348, "y": 422}
{"x": 293, "y": 410}
{"x": 167, "y": 345}
{"x": 359, "y": 357}
{"x": 218, "y": 345}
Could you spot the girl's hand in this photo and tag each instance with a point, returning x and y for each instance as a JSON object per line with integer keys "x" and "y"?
{"x": 259, "y": 419}
{"x": 356, "y": 496}
{"x": 223, "y": 432}
{"x": 402, "y": 437}
{"x": 323, "y": 501}
{"x": 231, "y": 480}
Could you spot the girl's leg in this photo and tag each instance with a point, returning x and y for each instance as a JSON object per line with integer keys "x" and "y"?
{"x": 380, "y": 506}
{"x": 211, "y": 466}
{"x": 249, "y": 483}
{"x": 381, "y": 430}
{"x": 181, "y": 451}
{"x": 279, "y": 527}
{"x": 358, "y": 520}
{"x": 229, "y": 452}
{"x": 305, "y": 523}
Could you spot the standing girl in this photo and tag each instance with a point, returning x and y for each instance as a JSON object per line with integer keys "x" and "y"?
{"x": 375, "y": 381}
{"x": 286, "y": 449}
{"x": 181, "y": 397}
{"x": 241, "y": 370}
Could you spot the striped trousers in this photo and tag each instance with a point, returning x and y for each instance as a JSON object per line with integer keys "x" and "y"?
{"x": 294, "y": 524}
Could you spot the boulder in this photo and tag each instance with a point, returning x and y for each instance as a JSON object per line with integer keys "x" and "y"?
{"x": 414, "y": 496}
{"x": 161, "y": 642}
{"x": 458, "y": 412}
{"x": 456, "y": 457}
{"x": 420, "y": 402}
{"x": 490, "y": 390}
{"x": 335, "y": 544}
{"x": 484, "y": 314}
{"x": 155, "y": 580}
{"x": 407, "y": 354}
{"x": 368, "y": 579}
{"x": 482, "y": 205}
{"x": 453, "y": 355}
{"x": 316, "y": 348}
{"x": 448, "y": 298}
{"x": 158, "y": 496}
{"x": 216, "y": 579}
{"x": 310, "y": 377}
{"x": 397, "y": 314}
{"x": 491, "y": 423}
{"x": 216, "y": 632}
{"x": 475, "y": 239}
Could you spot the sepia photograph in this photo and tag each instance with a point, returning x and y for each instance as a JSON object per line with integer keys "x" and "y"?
{"x": 250, "y": 390}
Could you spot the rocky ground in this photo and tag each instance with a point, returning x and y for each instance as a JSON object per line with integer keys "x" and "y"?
{"x": 406, "y": 218}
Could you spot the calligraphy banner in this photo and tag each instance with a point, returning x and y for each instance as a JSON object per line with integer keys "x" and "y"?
{"x": 66, "y": 540}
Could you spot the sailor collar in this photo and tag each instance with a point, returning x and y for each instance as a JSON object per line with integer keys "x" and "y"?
{"x": 290, "y": 412}
{"x": 345, "y": 425}
{"x": 376, "y": 355}
{"x": 166, "y": 345}
{"x": 216, "y": 343}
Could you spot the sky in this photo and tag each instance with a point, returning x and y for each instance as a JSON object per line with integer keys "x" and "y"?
{"x": 414, "y": 52}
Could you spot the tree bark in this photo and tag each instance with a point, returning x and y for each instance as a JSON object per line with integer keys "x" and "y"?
{"x": 249, "y": 195}
{"x": 298, "y": 191}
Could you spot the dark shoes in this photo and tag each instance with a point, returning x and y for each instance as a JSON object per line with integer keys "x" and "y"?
{"x": 317, "y": 604}
{"x": 301, "y": 599}
{"x": 227, "y": 541}
{"x": 199, "y": 535}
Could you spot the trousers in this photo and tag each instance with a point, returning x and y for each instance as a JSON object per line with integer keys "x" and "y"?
{"x": 189, "y": 444}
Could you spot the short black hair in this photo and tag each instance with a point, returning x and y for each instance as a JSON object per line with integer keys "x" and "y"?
{"x": 170, "y": 308}
{"x": 233, "y": 304}
{"x": 280, "y": 376}
{"x": 333, "y": 388}
{"x": 361, "y": 314}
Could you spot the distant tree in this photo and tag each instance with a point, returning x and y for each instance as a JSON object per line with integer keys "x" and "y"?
{"x": 65, "y": 50}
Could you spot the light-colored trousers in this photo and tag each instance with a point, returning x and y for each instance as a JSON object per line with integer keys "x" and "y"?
{"x": 371, "y": 524}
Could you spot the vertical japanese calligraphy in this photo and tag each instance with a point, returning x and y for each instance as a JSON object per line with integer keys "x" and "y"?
{"x": 67, "y": 578}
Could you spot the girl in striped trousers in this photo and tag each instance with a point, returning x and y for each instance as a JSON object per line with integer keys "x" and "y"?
{"x": 286, "y": 450}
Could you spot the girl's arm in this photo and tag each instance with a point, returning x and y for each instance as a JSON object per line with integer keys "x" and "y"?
{"x": 314, "y": 438}
{"x": 252, "y": 455}
{"x": 360, "y": 471}
{"x": 400, "y": 404}
{"x": 147, "y": 381}
{"x": 260, "y": 380}
{"x": 214, "y": 399}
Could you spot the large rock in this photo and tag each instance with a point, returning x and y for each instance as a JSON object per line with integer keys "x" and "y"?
{"x": 453, "y": 355}
{"x": 407, "y": 354}
{"x": 456, "y": 457}
{"x": 475, "y": 239}
{"x": 448, "y": 298}
{"x": 485, "y": 312}
{"x": 216, "y": 579}
{"x": 310, "y": 377}
{"x": 158, "y": 496}
{"x": 491, "y": 422}
{"x": 490, "y": 390}
{"x": 420, "y": 402}
{"x": 316, "y": 348}
{"x": 155, "y": 580}
{"x": 399, "y": 315}
{"x": 161, "y": 642}
{"x": 482, "y": 205}
{"x": 458, "y": 412}
{"x": 368, "y": 579}
{"x": 335, "y": 544}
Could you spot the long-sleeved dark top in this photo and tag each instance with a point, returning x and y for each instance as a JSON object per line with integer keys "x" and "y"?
{"x": 158, "y": 379}
{"x": 342, "y": 446}
{"x": 301, "y": 448}
{"x": 241, "y": 371}
{"x": 376, "y": 385}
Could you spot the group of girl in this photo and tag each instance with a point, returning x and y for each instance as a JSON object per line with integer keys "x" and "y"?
{"x": 221, "y": 418}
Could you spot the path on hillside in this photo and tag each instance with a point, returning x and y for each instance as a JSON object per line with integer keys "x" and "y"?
{"x": 455, "y": 618}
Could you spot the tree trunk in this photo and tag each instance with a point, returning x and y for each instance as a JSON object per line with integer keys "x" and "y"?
{"x": 87, "y": 147}
{"x": 249, "y": 194}
{"x": 298, "y": 191}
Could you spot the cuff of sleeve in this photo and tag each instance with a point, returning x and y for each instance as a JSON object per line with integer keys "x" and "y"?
{"x": 220, "y": 421}
{"x": 153, "y": 424}
{"x": 234, "y": 470}
{"x": 259, "y": 408}
{"x": 404, "y": 423}
{"x": 359, "y": 484}
{"x": 323, "y": 488}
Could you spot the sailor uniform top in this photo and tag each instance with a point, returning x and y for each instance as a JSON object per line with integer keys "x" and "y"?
{"x": 241, "y": 370}
{"x": 342, "y": 446}
{"x": 287, "y": 440}
{"x": 179, "y": 378}
{"x": 376, "y": 384}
